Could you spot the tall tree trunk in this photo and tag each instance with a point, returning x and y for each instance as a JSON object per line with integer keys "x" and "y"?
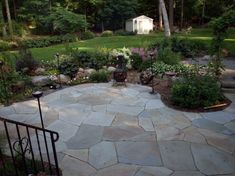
{"x": 85, "y": 20}
{"x": 171, "y": 15}
{"x": 160, "y": 16}
{"x": 165, "y": 19}
{"x": 2, "y": 22}
{"x": 102, "y": 26}
{"x": 9, "y": 18}
{"x": 182, "y": 15}
{"x": 203, "y": 12}
{"x": 14, "y": 7}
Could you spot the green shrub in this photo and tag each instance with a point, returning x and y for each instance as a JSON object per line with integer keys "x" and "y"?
{"x": 7, "y": 45}
{"x": 167, "y": 56}
{"x": 188, "y": 48}
{"x": 25, "y": 62}
{"x": 87, "y": 35}
{"x": 68, "y": 68}
{"x": 64, "y": 21}
{"x": 198, "y": 91}
{"x": 107, "y": 33}
{"x": 91, "y": 59}
{"x": 161, "y": 68}
{"x": 45, "y": 42}
{"x": 124, "y": 33}
{"x": 100, "y": 76}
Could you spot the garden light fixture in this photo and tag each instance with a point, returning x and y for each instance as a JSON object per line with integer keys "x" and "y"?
{"x": 37, "y": 95}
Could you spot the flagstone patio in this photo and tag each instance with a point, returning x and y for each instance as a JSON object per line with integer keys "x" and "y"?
{"x": 125, "y": 131}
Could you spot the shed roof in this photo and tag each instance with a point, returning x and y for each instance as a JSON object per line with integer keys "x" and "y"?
{"x": 142, "y": 16}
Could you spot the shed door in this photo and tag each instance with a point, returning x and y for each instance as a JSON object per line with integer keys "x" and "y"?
{"x": 140, "y": 30}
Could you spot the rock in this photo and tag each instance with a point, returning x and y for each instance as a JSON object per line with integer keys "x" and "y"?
{"x": 81, "y": 75}
{"x": 63, "y": 79}
{"x": 39, "y": 71}
{"x": 89, "y": 70}
{"x": 111, "y": 69}
{"x": 211, "y": 161}
{"x": 206, "y": 57}
{"x": 41, "y": 80}
{"x": 104, "y": 67}
{"x": 81, "y": 70}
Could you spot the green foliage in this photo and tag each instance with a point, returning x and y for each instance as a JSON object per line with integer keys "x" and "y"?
{"x": 25, "y": 62}
{"x": 167, "y": 56}
{"x": 107, "y": 33}
{"x": 187, "y": 48}
{"x": 7, "y": 45}
{"x": 100, "y": 76}
{"x": 198, "y": 91}
{"x": 69, "y": 68}
{"x": 124, "y": 33}
{"x": 220, "y": 27}
{"x": 45, "y": 42}
{"x": 160, "y": 68}
{"x": 63, "y": 21}
{"x": 91, "y": 59}
{"x": 87, "y": 35}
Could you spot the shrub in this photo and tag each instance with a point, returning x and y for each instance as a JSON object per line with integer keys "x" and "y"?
{"x": 161, "y": 68}
{"x": 198, "y": 91}
{"x": 68, "y": 68}
{"x": 100, "y": 76}
{"x": 124, "y": 33}
{"x": 87, "y": 35}
{"x": 64, "y": 21}
{"x": 167, "y": 56}
{"x": 188, "y": 48}
{"x": 44, "y": 42}
{"x": 7, "y": 45}
{"x": 25, "y": 62}
{"x": 107, "y": 34}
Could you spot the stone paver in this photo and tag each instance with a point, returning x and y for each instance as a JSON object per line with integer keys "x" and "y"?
{"x": 140, "y": 153}
{"x": 219, "y": 117}
{"x": 74, "y": 167}
{"x": 211, "y": 161}
{"x": 176, "y": 155}
{"x": 102, "y": 155}
{"x": 86, "y": 137}
{"x": 154, "y": 171}
{"x": 99, "y": 119}
{"x": 125, "y": 131}
{"x": 118, "y": 170}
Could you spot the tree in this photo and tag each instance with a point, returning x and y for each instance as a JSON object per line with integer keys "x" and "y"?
{"x": 171, "y": 14}
{"x": 182, "y": 15}
{"x": 165, "y": 19}
{"x": 160, "y": 15}
{"x": 2, "y": 22}
{"x": 9, "y": 18}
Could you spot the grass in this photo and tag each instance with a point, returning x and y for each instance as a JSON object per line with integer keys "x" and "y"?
{"x": 200, "y": 34}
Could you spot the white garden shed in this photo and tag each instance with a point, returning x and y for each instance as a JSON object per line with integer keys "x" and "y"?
{"x": 141, "y": 24}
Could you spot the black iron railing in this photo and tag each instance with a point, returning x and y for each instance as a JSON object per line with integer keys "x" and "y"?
{"x": 27, "y": 149}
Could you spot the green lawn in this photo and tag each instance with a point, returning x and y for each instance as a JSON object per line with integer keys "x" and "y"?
{"x": 203, "y": 35}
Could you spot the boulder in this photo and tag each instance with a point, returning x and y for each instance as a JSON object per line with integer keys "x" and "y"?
{"x": 81, "y": 75}
{"x": 81, "y": 70}
{"x": 111, "y": 69}
{"x": 89, "y": 70}
{"x": 39, "y": 71}
{"x": 41, "y": 80}
{"x": 64, "y": 79}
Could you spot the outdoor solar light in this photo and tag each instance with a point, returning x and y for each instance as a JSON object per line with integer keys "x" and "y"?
{"x": 37, "y": 95}
{"x": 57, "y": 56}
{"x": 152, "y": 76}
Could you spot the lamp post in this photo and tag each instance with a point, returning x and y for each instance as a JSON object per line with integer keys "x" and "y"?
{"x": 151, "y": 56}
{"x": 4, "y": 82}
{"x": 57, "y": 56}
{"x": 37, "y": 95}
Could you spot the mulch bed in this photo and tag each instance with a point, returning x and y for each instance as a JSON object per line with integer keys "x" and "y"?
{"x": 161, "y": 86}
